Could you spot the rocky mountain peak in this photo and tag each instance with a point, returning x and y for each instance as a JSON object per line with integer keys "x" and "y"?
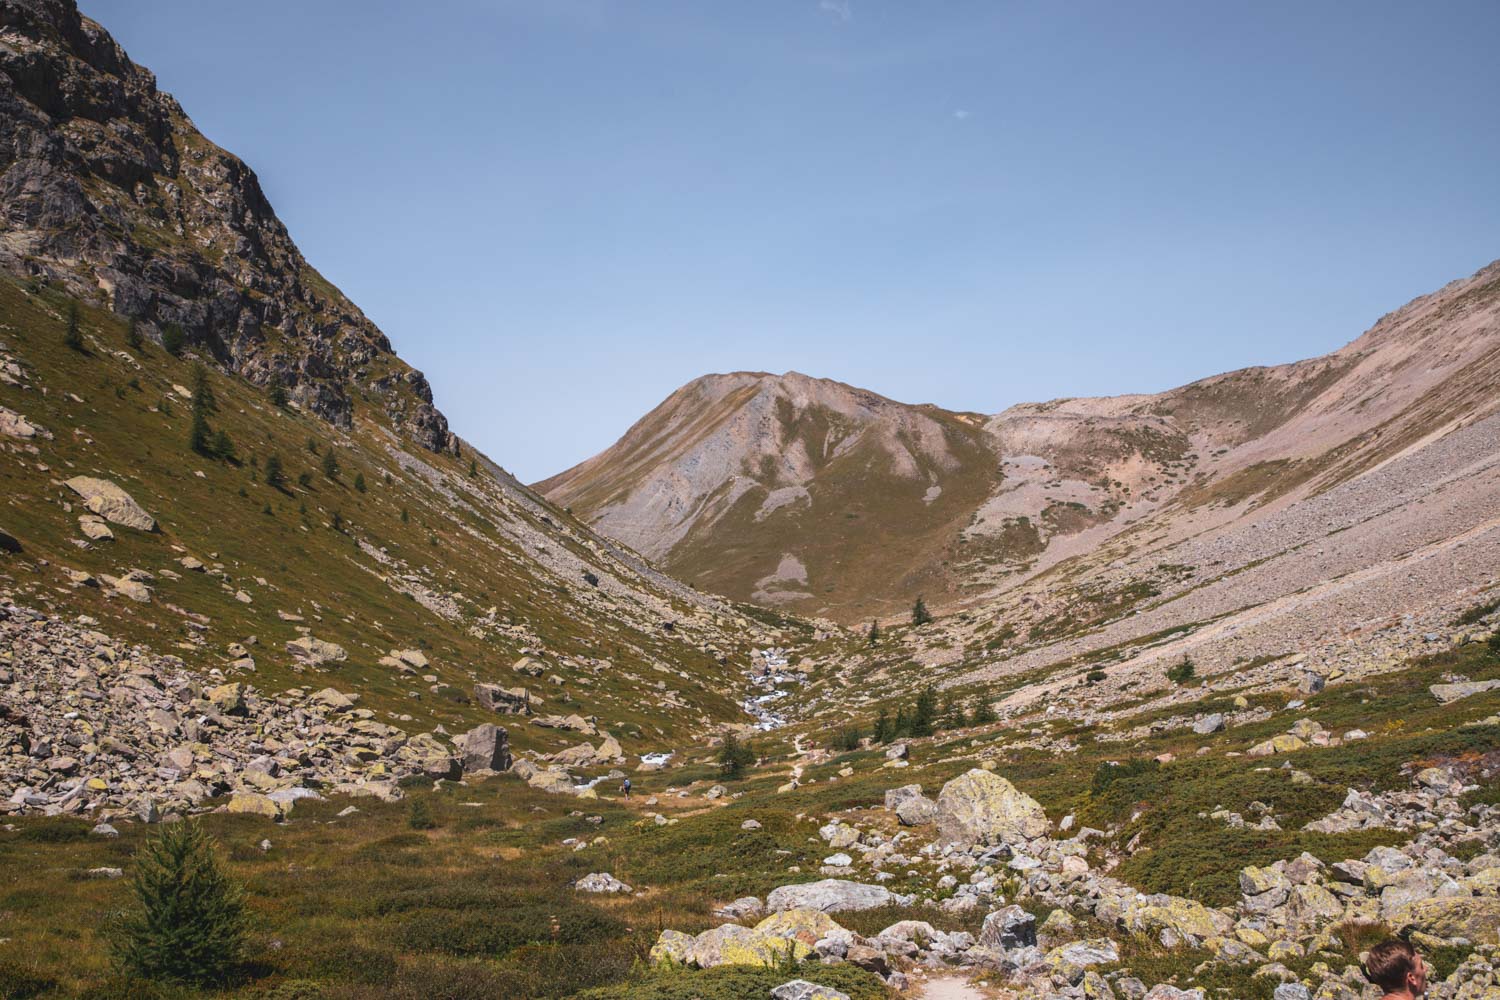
{"x": 108, "y": 189}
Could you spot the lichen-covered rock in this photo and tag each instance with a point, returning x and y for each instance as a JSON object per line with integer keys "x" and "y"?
{"x": 801, "y": 989}
{"x": 315, "y": 651}
{"x": 1476, "y": 918}
{"x": 980, "y": 807}
{"x": 831, "y": 895}
{"x": 672, "y": 948}
{"x": 111, "y": 502}
{"x": 1069, "y": 962}
{"x": 807, "y": 926}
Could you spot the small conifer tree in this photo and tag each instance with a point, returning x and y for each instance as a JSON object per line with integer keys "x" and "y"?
{"x": 173, "y": 339}
{"x": 330, "y": 464}
{"x": 924, "y": 713}
{"x": 883, "y": 731}
{"x": 405, "y": 517}
{"x": 223, "y": 446}
{"x": 73, "y": 336}
{"x": 200, "y": 435}
{"x": 919, "y": 613}
{"x": 187, "y": 922}
{"x": 132, "y": 335}
{"x": 473, "y": 468}
{"x": 359, "y": 481}
{"x": 276, "y": 391}
{"x": 203, "y": 393}
{"x": 982, "y": 711}
{"x": 735, "y": 756}
{"x": 338, "y": 521}
{"x": 275, "y": 477}
{"x": 874, "y": 632}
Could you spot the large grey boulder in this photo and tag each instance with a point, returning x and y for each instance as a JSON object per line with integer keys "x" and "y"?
{"x": 1007, "y": 928}
{"x": 484, "y": 748}
{"x": 111, "y": 502}
{"x": 832, "y": 895}
{"x": 1447, "y": 693}
{"x": 981, "y": 807}
{"x": 506, "y": 701}
{"x": 801, "y": 989}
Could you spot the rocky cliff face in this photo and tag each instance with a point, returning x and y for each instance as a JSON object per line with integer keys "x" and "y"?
{"x": 108, "y": 189}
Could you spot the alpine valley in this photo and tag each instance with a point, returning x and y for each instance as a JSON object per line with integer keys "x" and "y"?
{"x": 795, "y": 692}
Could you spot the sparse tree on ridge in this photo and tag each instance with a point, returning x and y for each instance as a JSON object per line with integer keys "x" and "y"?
{"x": 919, "y": 613}
{"x": 73, "y": 336}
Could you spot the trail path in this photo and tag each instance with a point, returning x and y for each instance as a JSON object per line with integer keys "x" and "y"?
{"x": 949, "y": 988}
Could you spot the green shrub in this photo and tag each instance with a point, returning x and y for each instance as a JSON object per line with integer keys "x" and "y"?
{"x": 1181, "y": 673}
{"x": 340, "y": 962}
{"x": 735, "y": 756}
{"x": 188, "y": 922}
{"x": 1095, "y": 676}
{"x": 173, "y": 339}
{"x": 419, "y": 815}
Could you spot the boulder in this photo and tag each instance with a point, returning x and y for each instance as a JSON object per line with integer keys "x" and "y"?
{"x": 981, "y": 807}
{"x": 672, "y": 948}
{"x": 801, "y": 989}
{"x": 506, "y": 701}
{"x": 831, "y": 895}
{"x": 257, "y": 805}
{"x": 1446, "y": 693}
{"x": 732, "y": 944}
{"x": 229, "y": 699}
{"x": 9, "y": 543}
{"x": 315, "y": 651}
{"x": 1070, "y": 961}
{"x": 486, "y": 747}
{"x": 1007, "y": 928}
{"x": 111, "y": 503}
{"x": 602, "y": 882}
{"x": 1209, "y": 724}
{"x": 1474, "y": 918}
{"x": 807, "y": 926}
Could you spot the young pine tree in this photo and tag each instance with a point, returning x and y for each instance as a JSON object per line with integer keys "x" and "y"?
{"x": 223, "y": 446}
{"x": 924, "y": 714}
{"x": 874, "y": 632}
{"x": 982, "y": 712}
{"x": 200, "y": 435}
{"x": 883, "y": 730}
{"x": 203, "y": 393}
{"x": 187, "y": 922}
{"x": 132, "y": 335}
{"x": 73, "y": 336}
{"x": 359, "y": 481}
{"x": 735, "y": 756}
{"x": 275, "y": 477}
{"x": 919, "y": 613}
{"x": 276, "y": 391}
{"x": 173, "y": 339}
{"x": 330, "y": 464}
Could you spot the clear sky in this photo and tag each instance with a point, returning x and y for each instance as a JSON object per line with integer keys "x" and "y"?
{"x": 562, "y": 210}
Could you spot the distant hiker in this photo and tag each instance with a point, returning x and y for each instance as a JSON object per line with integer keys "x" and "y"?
{"x": 626, "y": 788}
{"x": 1396, "y": 967}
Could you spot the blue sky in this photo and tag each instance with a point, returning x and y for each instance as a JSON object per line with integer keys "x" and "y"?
{"x": 563, "y": 210}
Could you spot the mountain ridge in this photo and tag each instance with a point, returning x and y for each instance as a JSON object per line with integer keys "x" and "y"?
{"x": 1077, "y": 466}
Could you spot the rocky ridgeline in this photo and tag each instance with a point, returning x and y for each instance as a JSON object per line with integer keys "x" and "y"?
{"x": 985, "y": 845}
{"x": 92, "y": 728}
{"x": 112, "y": 191}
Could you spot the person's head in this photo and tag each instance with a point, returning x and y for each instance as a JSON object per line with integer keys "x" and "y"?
{"x": 1396, "y": 967}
